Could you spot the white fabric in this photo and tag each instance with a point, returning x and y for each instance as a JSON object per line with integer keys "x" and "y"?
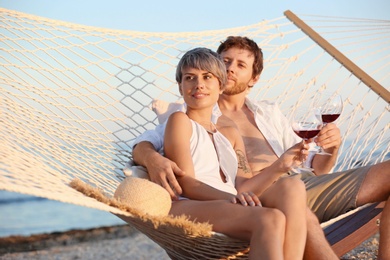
{"x": 205, "y": 156}
{"x": 269, "y": 119}
{"x": 163, "y": 110}
{"x": 208, "y": 159}
{"x": 132, "y": 170}
{"x": 273, "y": 124}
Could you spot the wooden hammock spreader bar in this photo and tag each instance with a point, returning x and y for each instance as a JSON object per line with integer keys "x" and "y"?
{"x": 340, "y": 57}
{"x": 350, "y": 231}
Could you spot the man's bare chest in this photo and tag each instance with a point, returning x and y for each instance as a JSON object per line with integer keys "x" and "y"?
{"x": 259, "y": 152}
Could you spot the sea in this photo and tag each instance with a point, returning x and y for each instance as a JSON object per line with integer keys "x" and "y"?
{"x": 24, "y": 215}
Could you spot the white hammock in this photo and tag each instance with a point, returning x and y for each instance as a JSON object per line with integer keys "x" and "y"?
{"x": 73, "y": 98}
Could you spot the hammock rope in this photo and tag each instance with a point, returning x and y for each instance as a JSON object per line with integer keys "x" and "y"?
{"x": 74, "y": 97}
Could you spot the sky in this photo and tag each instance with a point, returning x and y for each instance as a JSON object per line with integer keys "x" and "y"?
{"x": 190, "y": 16}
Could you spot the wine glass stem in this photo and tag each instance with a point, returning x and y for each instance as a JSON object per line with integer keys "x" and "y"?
{"x": 303, "y": 160}
{"x": 320, "y": 149}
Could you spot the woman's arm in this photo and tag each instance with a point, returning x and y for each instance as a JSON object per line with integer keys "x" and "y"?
{"x": 177, "y": 148}
{"x": 245, "y": 180}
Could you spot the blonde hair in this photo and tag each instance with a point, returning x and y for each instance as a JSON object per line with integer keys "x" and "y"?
{"x": 203, "y": 59}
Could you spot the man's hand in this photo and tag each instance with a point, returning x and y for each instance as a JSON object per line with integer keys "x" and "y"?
{"x": 329, "y": 138}
{"x": 160, "y": 169}
{"x": 163, "y": 171}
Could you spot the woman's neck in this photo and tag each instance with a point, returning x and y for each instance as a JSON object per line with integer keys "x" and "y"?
{"x": 203, "y": 118}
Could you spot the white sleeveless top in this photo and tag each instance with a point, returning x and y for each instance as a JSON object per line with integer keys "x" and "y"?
{"x": 208, "y": 159}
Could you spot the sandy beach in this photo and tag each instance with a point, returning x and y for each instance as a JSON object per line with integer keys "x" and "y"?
{"x": 116, "y": 242}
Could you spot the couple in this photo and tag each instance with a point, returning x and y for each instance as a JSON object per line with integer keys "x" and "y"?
{"x": 267, "y": 139}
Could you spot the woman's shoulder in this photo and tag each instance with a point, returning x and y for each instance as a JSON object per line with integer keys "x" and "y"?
{"x": 178, "y": 121}
{"x": 178, "y": 116}
{"x": 178, "y": 113}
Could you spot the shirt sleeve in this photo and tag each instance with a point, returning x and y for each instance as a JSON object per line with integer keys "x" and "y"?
{"x": 288, "y": 136}
{"x": 155, "y": 137}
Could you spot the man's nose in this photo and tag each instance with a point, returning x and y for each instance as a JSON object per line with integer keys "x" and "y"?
{"x": 229, "y": 67}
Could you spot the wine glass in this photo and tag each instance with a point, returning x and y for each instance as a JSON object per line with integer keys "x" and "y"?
{"x": 331, "y": 106}
{"x": 306, "y": 122}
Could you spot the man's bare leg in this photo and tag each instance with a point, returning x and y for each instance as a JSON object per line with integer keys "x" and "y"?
{"x": 376, "y": 188}
{"x": 317, "y": 247}
{"x": 384, "y": 231}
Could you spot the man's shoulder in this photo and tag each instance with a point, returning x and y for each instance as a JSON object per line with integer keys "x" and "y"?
{"x": 224, "y": 121}
{"x": 261, "y": 102}
{"x": 262, "y": 107}
{"x": 229, "y": 130}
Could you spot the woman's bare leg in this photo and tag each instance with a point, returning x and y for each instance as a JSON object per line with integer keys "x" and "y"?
{"x": 264, "y": 228}
{"x": 289, "y": 196}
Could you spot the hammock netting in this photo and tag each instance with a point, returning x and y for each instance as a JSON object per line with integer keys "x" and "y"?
{"x": 74, "y": 97}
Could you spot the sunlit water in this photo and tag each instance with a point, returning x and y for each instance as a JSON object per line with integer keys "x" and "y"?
{"x": 25, "y": 215}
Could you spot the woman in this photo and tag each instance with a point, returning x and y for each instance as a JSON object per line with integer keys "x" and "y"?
{"x": 218, "y": 186}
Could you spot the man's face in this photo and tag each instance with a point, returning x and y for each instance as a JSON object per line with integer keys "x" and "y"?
{"x": 239, "y": 64}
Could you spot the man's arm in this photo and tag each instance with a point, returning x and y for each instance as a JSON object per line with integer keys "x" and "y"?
{"x": 329, "y": 138}
{"x": 160, "y": 169}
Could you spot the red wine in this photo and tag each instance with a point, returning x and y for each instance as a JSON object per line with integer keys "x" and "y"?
{"x": 306, "y": 134}
{"x": 329, "y": 118}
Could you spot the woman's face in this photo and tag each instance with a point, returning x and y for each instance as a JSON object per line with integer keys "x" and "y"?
{"x": 199, "y": 88}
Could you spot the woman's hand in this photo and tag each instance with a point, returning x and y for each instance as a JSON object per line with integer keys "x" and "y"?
{"x": 294, "y": 156}
{"x": 246, "y": 199}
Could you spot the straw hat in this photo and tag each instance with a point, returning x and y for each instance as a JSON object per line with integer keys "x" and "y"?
{"x": 144, "y": 195}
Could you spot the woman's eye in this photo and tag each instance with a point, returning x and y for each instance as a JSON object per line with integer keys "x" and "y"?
{"x": 208, "y": 76}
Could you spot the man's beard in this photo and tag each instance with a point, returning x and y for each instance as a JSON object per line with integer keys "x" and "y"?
{"x": 236, "y": 89}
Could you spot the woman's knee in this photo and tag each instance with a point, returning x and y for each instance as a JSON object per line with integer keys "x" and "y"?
{"x": 270, "y": 218}
{"x": 292, "y": 186}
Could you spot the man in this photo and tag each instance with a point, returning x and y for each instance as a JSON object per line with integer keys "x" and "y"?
{"x": 267, "y": 135}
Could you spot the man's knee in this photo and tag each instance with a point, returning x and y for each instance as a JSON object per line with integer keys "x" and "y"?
{"x": 376, "y": 185}
{"x": 312, "y": 219}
